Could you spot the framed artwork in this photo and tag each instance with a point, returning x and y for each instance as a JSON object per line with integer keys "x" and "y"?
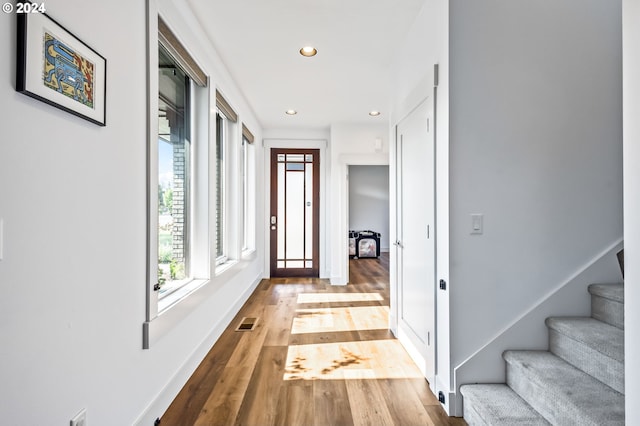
{"x": 57, "y": 68}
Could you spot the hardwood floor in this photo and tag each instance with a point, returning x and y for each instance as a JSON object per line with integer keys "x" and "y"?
{"x": 319, "y": 355}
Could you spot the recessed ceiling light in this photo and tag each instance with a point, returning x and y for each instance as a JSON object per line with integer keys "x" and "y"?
{"x": 291, "y": 112}
{"x": 308, "y": 51}
{"x": 374, "y": 113}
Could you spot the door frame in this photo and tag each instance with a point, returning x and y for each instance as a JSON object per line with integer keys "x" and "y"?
{"x": 315, "y": 215}
{"x": 346, "y": 160}
{"x": 301, "y": 143}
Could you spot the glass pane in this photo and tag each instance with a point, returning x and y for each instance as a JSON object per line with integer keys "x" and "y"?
{"x": 295, "y": 264}
{"x": 295, "y": 157}
{"x": 308, "y": 158}
{"x": 173, "y": 173}
{"x": 280, "y": 157}
{"x": 243, "y": 200}
{"x": 295, "y": 166}
{"x": 308, "y": 264}
{"x": 308, "y": 248}
{"x": 294, "y": 216}
{"x": 280, "y": 263}
{"x": 220, "y": 185}
{"x": 281, "y": 211}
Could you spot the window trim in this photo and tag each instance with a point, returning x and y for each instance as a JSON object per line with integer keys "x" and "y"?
{"x": 247, "y": 182}
{"x": 160, "y": 317}
{"x": 221, "y": 190}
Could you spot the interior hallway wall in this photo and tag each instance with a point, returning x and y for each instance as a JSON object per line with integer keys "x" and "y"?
{"x": 536, "y": 147}
{"x": 413, "y": 78}
{"x": 73, "y": 204}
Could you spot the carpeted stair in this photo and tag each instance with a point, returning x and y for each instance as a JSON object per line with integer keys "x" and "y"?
{"x": 578, "y": 381}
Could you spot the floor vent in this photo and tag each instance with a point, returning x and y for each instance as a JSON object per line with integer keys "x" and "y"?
{"x": 247, "y": 324}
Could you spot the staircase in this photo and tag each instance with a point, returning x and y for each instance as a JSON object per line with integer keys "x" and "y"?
{"x": 578, "y": 381}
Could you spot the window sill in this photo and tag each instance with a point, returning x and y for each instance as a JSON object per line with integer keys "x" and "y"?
{"x": 172, "y": 299}
{"x": 248, "y": 254}
{"x": 223, "y": 267}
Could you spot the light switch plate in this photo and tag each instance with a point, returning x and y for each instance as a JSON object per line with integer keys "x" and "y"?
{"x": 1, "y": 238}
{"x": 477, "y": 226}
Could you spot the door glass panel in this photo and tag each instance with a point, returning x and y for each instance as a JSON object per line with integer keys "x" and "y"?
{"x": 295, "y": 167}
{"x": 281, "y": 211}
{"x": 308, "y": 249}
{"x": 295, "y": 157}
{"x": 295, "y": 215}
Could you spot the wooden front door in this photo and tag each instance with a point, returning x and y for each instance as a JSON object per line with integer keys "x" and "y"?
{"x": 295, "y": 212}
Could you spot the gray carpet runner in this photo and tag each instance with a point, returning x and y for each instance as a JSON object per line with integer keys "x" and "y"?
{"x": 578, "y": 381}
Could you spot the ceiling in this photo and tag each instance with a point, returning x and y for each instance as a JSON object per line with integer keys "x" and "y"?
{"x": 259, "y": 41}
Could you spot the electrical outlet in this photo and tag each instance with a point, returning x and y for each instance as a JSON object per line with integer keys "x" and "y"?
{"x": 80, "y": 419}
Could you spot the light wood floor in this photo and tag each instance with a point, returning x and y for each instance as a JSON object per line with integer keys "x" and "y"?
{"x": 319, "y": 355}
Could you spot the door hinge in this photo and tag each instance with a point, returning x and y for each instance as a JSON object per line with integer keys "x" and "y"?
{"x": 156, "y": 287}
{"x": 443, "y": 285}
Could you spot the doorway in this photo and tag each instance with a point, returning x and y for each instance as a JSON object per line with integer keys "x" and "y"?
{"x": 295, "y": 212}
{"x": 368, "y": 201}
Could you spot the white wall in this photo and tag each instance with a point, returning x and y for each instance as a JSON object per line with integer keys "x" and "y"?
{"x": 74, "y": 211}
{"x": 535, "y": 146}
{"x": 631, "y": 42}
{"x": 369, "y": 200}
{"x": 413, "y": 81}
{"x": 528, "y": 134}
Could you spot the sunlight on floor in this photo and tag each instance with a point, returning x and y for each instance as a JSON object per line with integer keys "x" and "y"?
{"x": 323, "y": 320}
{"x": 376, "y": 359}
{"x": 338, "y": 297}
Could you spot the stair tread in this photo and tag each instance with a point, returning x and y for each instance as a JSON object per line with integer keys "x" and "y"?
{"x": 602, "y": 337}
{"x": 613, "y": 292}
{"x": 577, "y": 392}
{"x": 498, "y": 404}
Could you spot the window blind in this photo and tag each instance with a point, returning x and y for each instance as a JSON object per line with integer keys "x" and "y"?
{"x": 247, "y": 134}
{"x": 171, "y": 43}
{"x": 225, "y": 108}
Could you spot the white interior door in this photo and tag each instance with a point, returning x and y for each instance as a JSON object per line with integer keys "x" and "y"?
{"x": 415, "y": 244}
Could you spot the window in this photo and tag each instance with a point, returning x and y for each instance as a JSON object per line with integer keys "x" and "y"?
{"x": 220, "y": 189}
{"x": 189, "y": 242}
{"x": 174, "y": 174}
{"x": 178, "y": 179}
{"x": 226, "y": 117}
{"x": 246, "y": 201}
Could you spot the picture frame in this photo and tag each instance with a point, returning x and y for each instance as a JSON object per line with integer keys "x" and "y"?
{"x": 56, "y": 67}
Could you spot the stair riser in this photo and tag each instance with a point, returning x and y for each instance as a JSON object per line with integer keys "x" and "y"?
{"x": 607, "y": 310}
{"x": 471, "y": 415}
{"x": 554, "y": 407}
{"x": 606, "y": 369}
{"x": 497, "y": 405}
